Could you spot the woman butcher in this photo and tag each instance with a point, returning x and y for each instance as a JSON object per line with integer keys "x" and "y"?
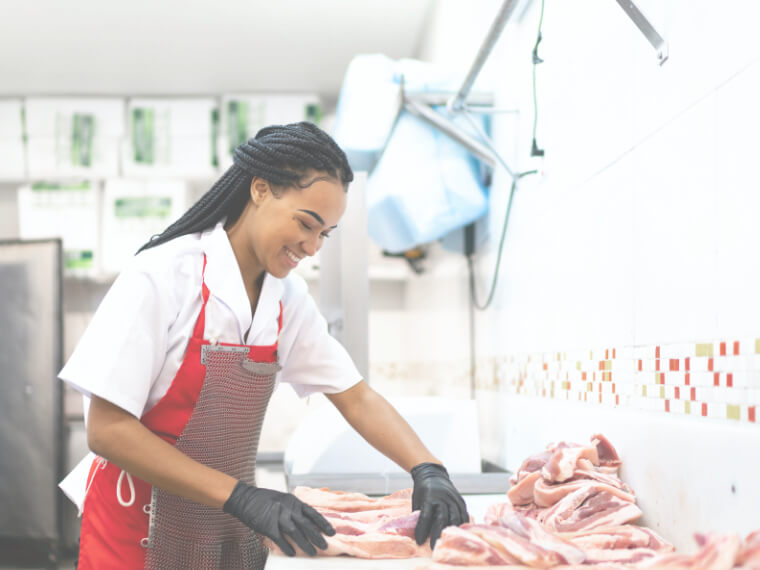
{"x": 182, "y": 355}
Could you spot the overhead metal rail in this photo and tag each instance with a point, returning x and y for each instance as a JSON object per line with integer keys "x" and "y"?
{"x": 463, "y": 101}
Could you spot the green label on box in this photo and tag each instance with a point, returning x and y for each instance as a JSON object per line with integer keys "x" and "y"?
{"x": 78, "y": 259}
{"x": 143, "y": 207}
{"x": 82, "y": 134}
{"x": 143, "y": 125}
{"x": 237, "y": 123}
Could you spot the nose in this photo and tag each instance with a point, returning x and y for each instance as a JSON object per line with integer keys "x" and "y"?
{"x": 311, "y": 245}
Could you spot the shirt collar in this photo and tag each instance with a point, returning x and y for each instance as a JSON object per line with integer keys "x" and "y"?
{"x": 225, "y": 282}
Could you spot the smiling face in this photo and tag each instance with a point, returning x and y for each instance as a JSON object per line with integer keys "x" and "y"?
{"x": 279, "y": 228}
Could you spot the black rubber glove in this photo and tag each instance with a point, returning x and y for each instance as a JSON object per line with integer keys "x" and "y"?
{"x": 279, "y": 515}
{"x": 440, "y": 503}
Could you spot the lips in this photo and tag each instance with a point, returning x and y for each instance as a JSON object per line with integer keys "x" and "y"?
{"x": 292, "y": 256}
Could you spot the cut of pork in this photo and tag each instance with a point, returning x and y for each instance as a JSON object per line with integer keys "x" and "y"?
{"x": 716, "y": 552}
{"x": 521, "y": 493}
{"x": 618, "y": 538}
{"x": 591, "y": 506}
{"x": 343, "y": 501}
{"x": 564, "y": 460}
{"x": 460, "y": 547}
{"x": 749, "y": 556}
{"x": 608, "y": 456}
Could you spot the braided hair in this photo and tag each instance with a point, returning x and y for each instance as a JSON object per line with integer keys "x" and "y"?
{"x": 281, "y": 155}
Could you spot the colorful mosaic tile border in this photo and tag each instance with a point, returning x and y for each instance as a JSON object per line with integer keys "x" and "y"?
{"x": 718, "y": 379}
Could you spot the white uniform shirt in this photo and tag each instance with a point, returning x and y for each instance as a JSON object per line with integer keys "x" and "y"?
{"x": 137, "y": 338}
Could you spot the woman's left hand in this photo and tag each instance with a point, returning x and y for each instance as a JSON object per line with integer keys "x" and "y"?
{"x": 438, "y": 501}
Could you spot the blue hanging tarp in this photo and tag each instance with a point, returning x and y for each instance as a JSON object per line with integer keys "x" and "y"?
{"x": 421, "y": 183}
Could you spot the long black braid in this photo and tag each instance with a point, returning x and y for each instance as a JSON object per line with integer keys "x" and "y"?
{"x": 280, "y": 154}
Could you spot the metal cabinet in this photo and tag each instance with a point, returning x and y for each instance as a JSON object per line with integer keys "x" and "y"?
{"x": 31, "y": 406}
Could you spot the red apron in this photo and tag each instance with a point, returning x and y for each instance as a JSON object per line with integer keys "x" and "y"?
{"x": 213, "y": 413}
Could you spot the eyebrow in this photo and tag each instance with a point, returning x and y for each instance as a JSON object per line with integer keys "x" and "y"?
{"x": 316, "y": 217}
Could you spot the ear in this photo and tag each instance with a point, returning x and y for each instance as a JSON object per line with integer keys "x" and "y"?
{"x": 259, "y": 190}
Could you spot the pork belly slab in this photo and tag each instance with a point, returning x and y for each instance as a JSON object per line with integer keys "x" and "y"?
{"x": 365, "y": 527}
{"x": 511, "y": 539}
{"x": 716, "y": 552}
{"x": 591, "y": 506}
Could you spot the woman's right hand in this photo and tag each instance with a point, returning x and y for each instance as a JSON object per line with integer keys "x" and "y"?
{"x": 279, "y": 516}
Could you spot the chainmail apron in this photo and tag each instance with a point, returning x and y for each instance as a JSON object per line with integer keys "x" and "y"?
{"x": 223, "y": 433}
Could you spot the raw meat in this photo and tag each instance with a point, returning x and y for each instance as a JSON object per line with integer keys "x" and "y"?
{"x": 365, "y": 527}
{"x": 592, "y": 505}
{"x": 749, "y": 556}
{"x": 717, "y": 552}
{"x": 460, "y": 547}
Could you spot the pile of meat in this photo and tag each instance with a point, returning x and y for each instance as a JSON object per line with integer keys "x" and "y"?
{"x": 568, "y": 508}
{"x": 366, "y": 527}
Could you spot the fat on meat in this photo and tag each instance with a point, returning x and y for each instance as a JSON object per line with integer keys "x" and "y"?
{"x": 591, "y": 506}
{"x": 716, "y": 552}
{"x": 459, "y": 547}
{"x": 547, "y": 495}
{"x": 564, "y": 460}
{"x": 532, "y": 531}
{"x": 344, "y": 501}
{"x": 522, "y": 492}
{"x": 366, "y": 527}
{"x": 620, "y": 537}
{"x": 511, "y": 538}
{"x": 749, "y": 555}
{"x": 608, "y": 456}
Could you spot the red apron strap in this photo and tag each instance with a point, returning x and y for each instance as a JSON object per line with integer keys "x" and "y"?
{"x": 279, "y": 323}
{"x": 200, "y": 324}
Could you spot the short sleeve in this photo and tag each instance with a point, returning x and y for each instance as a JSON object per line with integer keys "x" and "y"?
{"x": 313, "y": 360}
{"x": 123, "y": 349}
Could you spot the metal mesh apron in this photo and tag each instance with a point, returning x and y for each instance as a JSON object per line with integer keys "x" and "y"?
{"x": 223, "y": 433}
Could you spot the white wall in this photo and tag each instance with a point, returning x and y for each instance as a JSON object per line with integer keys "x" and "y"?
{"x": 631, "y": 258}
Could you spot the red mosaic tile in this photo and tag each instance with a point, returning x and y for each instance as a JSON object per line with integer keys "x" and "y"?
{"x": 657, "y": 352}
{"x": 693, "y": 395}
{"x": 736, "y": 348}
{"x": 606, "y": 353}
{"x": 723, "y": 349}
{"x": 617, "y": 399}
{"x": 730, "y": 380}
{"x": 716, "y": 379}
{"x": 613, "y": 387}
{"x": 667, "y": 405}
{"x": 688, "y": 378}
{"x": 678, "y": 393}
{"x": 687, "y": 364}
{"x": 613, "y": 353}
{"x": 674, "y": 365}
{"x": 546, "y": 366}
{"x": 704, "y": 410}
{"x": 641, "y": 365}
{"x": 583, "y": 376}
{"x": 710, "y": 364}
{"x": 657, "y": 364}
{"x": 751, "y": 411}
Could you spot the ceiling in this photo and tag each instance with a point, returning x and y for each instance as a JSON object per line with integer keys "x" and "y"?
{"x": 195, "y": 47}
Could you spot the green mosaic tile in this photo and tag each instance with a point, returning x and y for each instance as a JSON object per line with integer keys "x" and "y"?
{"x": 662, "y": 391}
{"x": 644, "y": 391}
{"x": 733, "y": 412}
{"x": 687, "y": 407}
{"x": 578, "y": 365}
{"x": 757, "y": 346}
